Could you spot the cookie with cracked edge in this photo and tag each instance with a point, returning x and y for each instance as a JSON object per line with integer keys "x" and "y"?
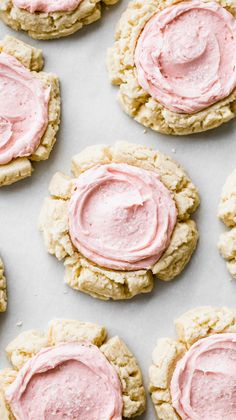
{"x": 3, "y": 289}
{"x": 227, "y": 214}
{"x": 52, "y": 24}
{"x": 194, "y": 325}
{"x": 104, "y": 283}
{"x": 30, "y": 344}
{"x": 31, "y": 59}
{"x": 134, "y": 99}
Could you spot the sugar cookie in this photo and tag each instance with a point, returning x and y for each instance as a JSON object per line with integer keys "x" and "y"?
{"x": 174, "y": 65}
{"x": 29, "y": 110}
{"x": 202, "y": 357}
{"x": 43, "y": 19}
{"x": 122, "y": 220}
{"x": 3, "y": 289}
{"x": 107, "y": 384}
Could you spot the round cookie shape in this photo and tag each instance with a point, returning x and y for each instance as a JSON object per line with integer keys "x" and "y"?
{"x": 44, "y": 20}
{"x": 184, "y": 56}
{"x": 71, "y": 380}
{"x": 23, "y": 109}
{"x": 121, "y": 220}
{"x": 227, "y": 214}
{"x": 70, "y": 371}
{"x": 209, "y": 364}
{"x": 134, "y": 219}
{"x": 201, "y": 358}
{"x": 29, "y": 110}
{"x": 3, "y": 288}
{"x": 174, "y": 65}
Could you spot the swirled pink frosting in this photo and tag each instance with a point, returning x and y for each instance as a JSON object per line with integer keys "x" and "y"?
{"x": 47, "y": 6}
{"x": 203, "y": 385}
{"x": 186, "y": 55}
{"x": 121, "y": 217}
{"x": 69, "y": 381}
{"x": 23, "y": 109}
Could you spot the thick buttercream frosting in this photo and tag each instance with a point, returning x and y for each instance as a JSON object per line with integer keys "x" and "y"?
{"x": 23, "y": 109}
{"x": 186, "y": 56}
{"x": 203, "y": 385}
{"x": 121, "y": 216}
{"x": 69, "y": 381}
{"x": 47, "y": 6}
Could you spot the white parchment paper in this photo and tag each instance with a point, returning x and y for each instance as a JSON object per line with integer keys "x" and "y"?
{"x": 91, "y": 115}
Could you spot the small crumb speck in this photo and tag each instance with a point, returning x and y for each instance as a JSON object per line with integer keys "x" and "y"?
{"x": 144, "y": 131}
{"x": 19, "y": 324}
{"x": 173, "y": 150}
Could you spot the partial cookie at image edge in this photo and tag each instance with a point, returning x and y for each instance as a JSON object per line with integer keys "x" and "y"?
{"x": 193, "y": 325}
{"x": 227, "y": 214}
{"x": 3, "y": 288}
{"x": 27, "y": 344}
{"x": 44, "y": 26}
{"x": 137, "y": 103}
{"x": 32, "y": 59}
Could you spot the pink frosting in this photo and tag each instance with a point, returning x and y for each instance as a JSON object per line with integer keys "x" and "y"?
{"x": 23, "y": 109}
{"x": 69, "y": 381}
{"x": 186, "y": 56}
{"x": 121, "y": 217}
{"x": 47, "y": 5}
{"x": 203, "y": 385}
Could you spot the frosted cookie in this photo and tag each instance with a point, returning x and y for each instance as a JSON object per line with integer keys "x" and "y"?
{"x": 193, "y": 376}
{"x": 121, "y": 220}
{"x": 47, "y": 19}
{"x": 227, "y": 214}
{"x": 3, "y": 289}
{"x": 29, "y": 110}
{"x": 174, "y": 64}
{"x": 70, "y": 371}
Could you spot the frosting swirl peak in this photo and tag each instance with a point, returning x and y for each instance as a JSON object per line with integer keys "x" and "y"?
{"x": 203, "y": 385}
{"x": 69, "y": 381}
{"x": 186, "y": 56}
{"x": 121, "y": 217}
{"x": 23, "y": 109}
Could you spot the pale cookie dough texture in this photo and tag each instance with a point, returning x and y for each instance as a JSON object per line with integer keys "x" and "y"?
{"x": 83, "y": 275}
{"x": 190, "y": 327}
{"x": 29, "y": 343}
{"x": 139, "y": 104}
{"x": 41, "y": 25}
{"x": 3, "y": 289}
{"x": 32, "y": 59}
{"x": 227, "y": 214}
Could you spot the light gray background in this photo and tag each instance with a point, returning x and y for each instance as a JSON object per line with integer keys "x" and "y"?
{"x": 91, "y": 115}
